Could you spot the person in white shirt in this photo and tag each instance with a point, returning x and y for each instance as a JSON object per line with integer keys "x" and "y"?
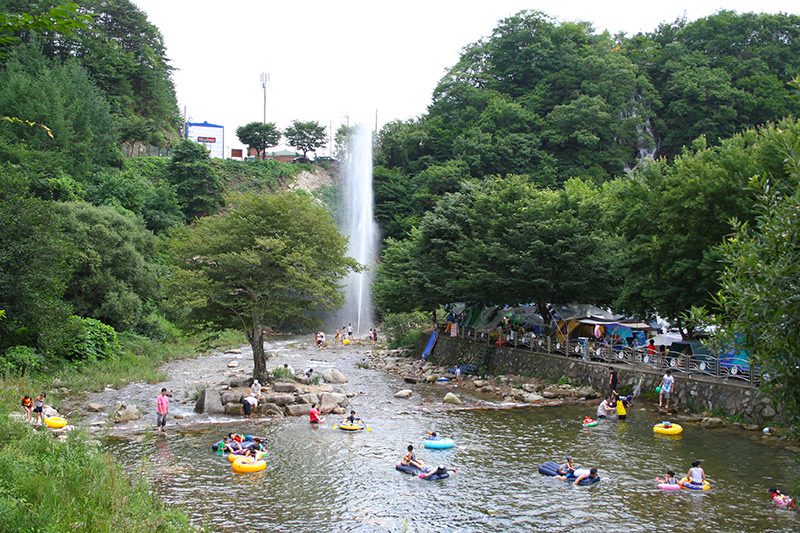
{"x": 667, "y": 385}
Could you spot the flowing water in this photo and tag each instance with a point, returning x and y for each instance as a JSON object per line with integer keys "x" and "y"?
{"x": 324, "y": 479}
{"x": 361, "y": 230}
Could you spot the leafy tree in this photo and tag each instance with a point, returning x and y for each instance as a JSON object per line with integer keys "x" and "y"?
{"x": 259, "y": 136}
{"x": 64, "y": 98}
{"x": 757, "y": 305}
{"x": 671, "y": 217}
{"x": 306, "y": 136}
{"x": 501, "y": 242}
{"x": 342, "y": 141}
{"x": 124, "y": 55}
{"x": 265, "y": 262}
{"x": 113, "y": 275}
{"x": 62, "y": 19}
{"x": 196, "y": 183}
{"x": 33, "y": 265}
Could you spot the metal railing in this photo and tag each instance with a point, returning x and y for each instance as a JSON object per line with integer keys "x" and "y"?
{"x": 721, "y": 367}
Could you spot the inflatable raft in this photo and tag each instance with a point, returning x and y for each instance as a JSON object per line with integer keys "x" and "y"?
{"x": 346, "y": 425}
{"x": 550, "y": 469}
{"x": 246, "y": 442}
{"x": 438, "y": 443}
{"x": 666, "y": 428}
{"x": 413, "y": 470}
{"x": 684, "y": 483}
{"x": 55, "y": 422}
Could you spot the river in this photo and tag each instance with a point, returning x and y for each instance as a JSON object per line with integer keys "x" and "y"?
{"x": 324, "y": 479}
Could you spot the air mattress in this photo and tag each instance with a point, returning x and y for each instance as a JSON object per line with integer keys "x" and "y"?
{"x": 245, "y": 444}
{"x": 413, "y": 470}
{"x": 551, "y": 469}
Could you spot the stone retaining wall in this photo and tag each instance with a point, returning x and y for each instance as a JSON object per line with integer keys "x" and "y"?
{"x": 691, "y": 391}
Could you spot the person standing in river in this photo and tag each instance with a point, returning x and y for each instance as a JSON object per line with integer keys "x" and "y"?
{"x": 612, "y": 380}
{"x": 162, "y": 410}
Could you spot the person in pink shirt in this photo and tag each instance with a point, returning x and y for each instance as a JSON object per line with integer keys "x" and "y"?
{"x": 162, "y": 410}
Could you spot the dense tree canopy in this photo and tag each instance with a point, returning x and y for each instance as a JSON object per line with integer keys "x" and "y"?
{"x": 267, "y": 261}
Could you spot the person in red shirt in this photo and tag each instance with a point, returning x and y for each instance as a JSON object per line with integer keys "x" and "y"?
{"x": 314, "y": 415}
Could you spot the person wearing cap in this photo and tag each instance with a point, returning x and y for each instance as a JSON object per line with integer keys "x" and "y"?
{"x": 256, "y": 389}
{"x": 567, "y": 469}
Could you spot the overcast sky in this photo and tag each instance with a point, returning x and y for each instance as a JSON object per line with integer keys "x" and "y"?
{"x": 334, "y": 61}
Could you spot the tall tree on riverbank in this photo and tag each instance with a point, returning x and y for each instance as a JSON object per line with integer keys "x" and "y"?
{"x": 265, "y": 262}
{"x": 306, "y": 136}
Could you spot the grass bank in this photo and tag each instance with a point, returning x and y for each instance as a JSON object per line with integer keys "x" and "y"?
{"x": 71, "y": 484}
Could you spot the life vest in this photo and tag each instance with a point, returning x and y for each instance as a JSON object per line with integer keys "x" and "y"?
{"x": 27, "y": 402}
{"x": 621, "y": 408}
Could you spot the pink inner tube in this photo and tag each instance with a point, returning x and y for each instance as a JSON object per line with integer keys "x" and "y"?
{"x": 668, "y": 486}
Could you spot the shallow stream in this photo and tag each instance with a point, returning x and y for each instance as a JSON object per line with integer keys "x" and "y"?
{"x": 323, "y": 479}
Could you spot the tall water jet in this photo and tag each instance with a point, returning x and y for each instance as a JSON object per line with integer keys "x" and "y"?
{"x": 360, "y": 228}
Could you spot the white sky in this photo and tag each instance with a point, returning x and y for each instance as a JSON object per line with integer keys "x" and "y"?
{"x": 330, "y": 60}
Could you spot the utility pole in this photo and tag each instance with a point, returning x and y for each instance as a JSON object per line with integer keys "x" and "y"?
{"x": 264, "y": 82}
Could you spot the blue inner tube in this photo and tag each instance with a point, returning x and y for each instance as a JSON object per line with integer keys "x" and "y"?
{"x": 439, "y": 443}
{"x": 413, "y": 470}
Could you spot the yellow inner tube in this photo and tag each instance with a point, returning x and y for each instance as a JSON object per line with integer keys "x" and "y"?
{"x": 673, "y": 429}
{"x": 244, "y": 465}
{"x": 705, "y": 486}
{"x": 233, "y": 457}
{"x": 347, "y": 426}
{"x": 55, "y": 422}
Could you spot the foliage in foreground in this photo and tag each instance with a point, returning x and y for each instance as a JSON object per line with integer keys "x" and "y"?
{"x": 48, "y": 485}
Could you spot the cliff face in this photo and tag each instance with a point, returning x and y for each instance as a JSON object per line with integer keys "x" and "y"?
{"x": 309, "y": 181}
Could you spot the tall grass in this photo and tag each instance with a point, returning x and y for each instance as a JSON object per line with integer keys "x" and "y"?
{"x": 51, "y": 485}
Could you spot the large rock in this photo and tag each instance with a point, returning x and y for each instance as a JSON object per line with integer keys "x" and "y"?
{"x": 712, "y": 422}
{"x": 278, "y": 398}
{"x": 125, "y": 413}
{"x": 532, "y": 397}
{"x": 209, "y": 401}
{"x": 411, "y": 379}
{"x": 233, "y": 364}
{"x": 96, "y": 407}
{"x": 333, "y": 376}
{"x": 284, "y": 386}
{"x": 298, "y": 409}
{"x": 530, "y": 387}
{"x": 241, "y": 382}
{"x": 328, "y": 406}
{"x": 269, "y": 409}
{"x": 405, "y": 393}
{"x": 480, "y": 383}
{"x": 48, "y": 411}
{"x": 452, "y": 398}
{"x": 308, "y": 398}
{"x": 231, "y": 397}
{"x": 233, "y": 409}
{"x": 334, "y": 397}
{"x": 301, "y": 378}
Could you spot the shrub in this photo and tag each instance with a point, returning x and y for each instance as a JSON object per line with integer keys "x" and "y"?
{"x": 281, "y": 373}
{"x": 563, "y": 380}
{"x": 404, "y": 329}
{"x": 157, "y": 327}
{"x": 19, "y": 360}
{"x": 88, "y": 339}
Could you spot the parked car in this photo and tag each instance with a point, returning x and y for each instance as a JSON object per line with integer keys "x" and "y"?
{"x": 300, "y": 159}
{"x": 326, "y": 159}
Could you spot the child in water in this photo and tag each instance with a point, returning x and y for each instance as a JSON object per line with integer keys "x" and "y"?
{"x": 670, "y": 478}
{"x": 780, "y": 499}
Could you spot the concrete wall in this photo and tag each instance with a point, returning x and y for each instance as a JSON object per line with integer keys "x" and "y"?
{"x": 691, "y": 391}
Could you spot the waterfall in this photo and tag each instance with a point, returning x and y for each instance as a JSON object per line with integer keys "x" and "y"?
{"x": 646, "y": 143}
{"x": 360, "y": 228}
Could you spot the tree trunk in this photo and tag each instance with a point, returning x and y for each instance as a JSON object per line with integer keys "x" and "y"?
{"x": 259, "y": 358}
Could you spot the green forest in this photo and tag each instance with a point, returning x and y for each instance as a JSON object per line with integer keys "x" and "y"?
{"x": 655, "y": 174}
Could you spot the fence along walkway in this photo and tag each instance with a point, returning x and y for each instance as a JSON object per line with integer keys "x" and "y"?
{"x": 706, "y": 364}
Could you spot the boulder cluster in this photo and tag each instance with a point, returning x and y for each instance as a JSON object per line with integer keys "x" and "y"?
{"x": 282, "y": 397}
